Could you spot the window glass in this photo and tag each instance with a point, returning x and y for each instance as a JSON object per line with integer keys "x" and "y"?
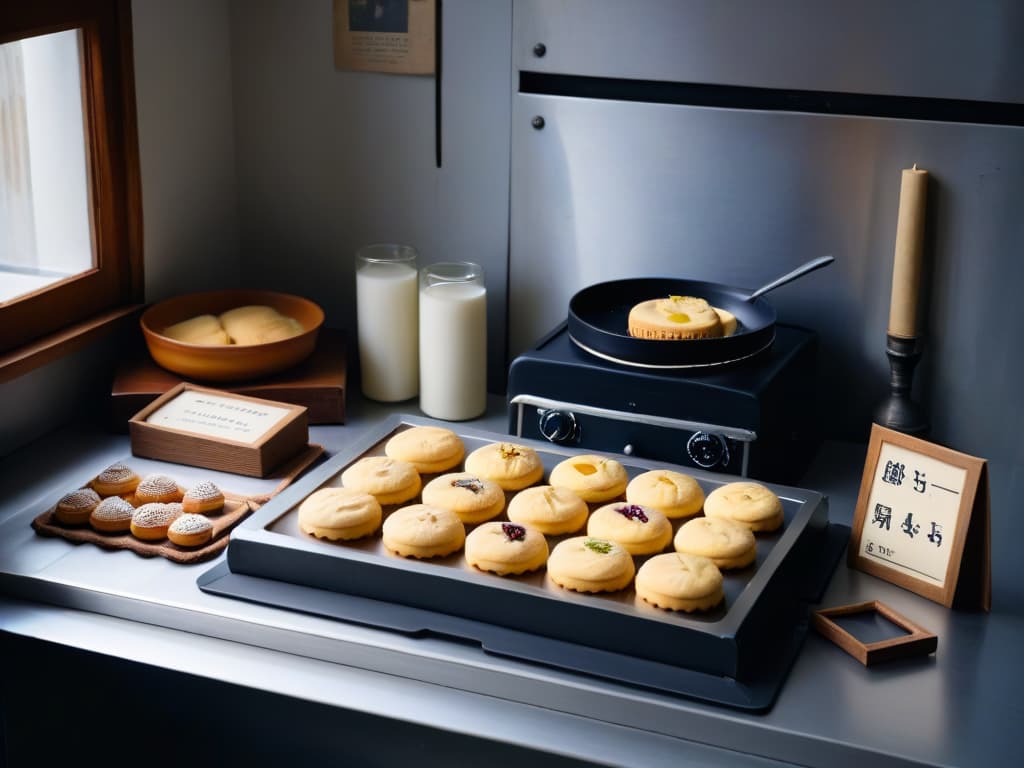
{"x": 46, "y": 232}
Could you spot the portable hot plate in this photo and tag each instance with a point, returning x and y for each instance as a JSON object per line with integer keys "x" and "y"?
{"x": 753, "y": 417}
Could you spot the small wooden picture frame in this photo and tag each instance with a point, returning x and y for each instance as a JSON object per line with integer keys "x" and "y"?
{"x": 219, "y": 430}
{"x": 916, "y": 641}
{"x": 922, "y": 520}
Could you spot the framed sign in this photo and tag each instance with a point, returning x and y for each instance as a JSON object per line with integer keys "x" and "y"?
{"x": 392, "y": 36}
{"x": 219, "y": 430}
{"x": 922, "y": 520}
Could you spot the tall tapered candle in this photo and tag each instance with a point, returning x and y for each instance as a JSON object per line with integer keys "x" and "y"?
{"x": 906, "y": 268}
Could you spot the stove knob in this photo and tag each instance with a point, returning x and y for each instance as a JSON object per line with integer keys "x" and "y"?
{"x": 559, "y": 426}
{"x": 707, "y": 450}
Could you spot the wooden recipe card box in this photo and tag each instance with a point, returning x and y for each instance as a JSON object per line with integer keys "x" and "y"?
{"x": 219, "y": 430}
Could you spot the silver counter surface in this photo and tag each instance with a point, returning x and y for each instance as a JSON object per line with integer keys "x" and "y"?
{"x": 957, "y": 707}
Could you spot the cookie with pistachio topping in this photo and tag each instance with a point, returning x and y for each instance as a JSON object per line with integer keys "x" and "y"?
{"x": 587, "y": 564}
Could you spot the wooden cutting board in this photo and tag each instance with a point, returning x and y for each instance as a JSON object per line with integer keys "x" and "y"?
{"x": 317, "y": 383}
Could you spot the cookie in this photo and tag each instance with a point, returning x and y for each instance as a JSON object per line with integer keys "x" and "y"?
{"x": 429, "y": 449}
{"x": 594, "y": 479}
{"x": 339, "y": 514}
{"x": 506, "y": 548}
{"x": 258, "y": 324}
{"x": 641, "y": 530}
{"x": 671, "y": 493}
{"x": 510, "y": 465}
{"x": 551, "y": 510}
{"x": 729, "y": 544}
{"x": 423, "y": 531}
{"x": 677, "y": 581}
{"x": 202, "y": 499}
{"x": 751, "y": 504}
{"x": 112, "y": 515}
{"x": 675, "y": 317}
{"x": 388, "y": 480}
{"x": 190, "y": 530}
{"x": 151, "y": 521}
{"x": 586, "y": 564}
{"x": 75, "y": 507}
{"x": 157, "y": 489}
{"x": 116, "y": 480}
{"x": 473, "y": 499}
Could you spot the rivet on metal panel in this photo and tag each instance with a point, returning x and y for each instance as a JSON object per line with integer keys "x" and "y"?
{"x": 539, "y": 50}
{"x": 537, "y": 122}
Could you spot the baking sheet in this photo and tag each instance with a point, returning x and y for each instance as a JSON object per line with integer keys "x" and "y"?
{"x": 762, "y": 601}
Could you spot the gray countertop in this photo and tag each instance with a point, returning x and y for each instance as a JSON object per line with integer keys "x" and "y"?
{"x": 956, "y": 707}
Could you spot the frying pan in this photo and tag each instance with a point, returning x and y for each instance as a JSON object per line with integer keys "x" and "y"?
{"x": 598, "y": 320}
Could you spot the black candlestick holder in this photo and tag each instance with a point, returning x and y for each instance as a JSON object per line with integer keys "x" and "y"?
{"x": 899, "y": 411}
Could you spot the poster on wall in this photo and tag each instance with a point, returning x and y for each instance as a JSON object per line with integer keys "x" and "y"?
{"x": 394, "y": 36}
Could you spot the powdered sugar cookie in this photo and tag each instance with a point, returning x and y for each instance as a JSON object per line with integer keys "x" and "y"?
{"x": 112, "y": 515}
{"x": 388, "y": 480}
{"x": 506, "y": 548}
{"x": 190, "y": 530}
{"x": 116, "y": 480}
{"x": 551, "y": 510}
{"x": 677, "y": 581}
{"x": 75, "y": 507}
{"x": 151, "y": 521}
{"x": 510, "y": 465}
{"x": 157, "y": 488}
{"x": 202, "y": 499}
{"x": 641, "y": 530}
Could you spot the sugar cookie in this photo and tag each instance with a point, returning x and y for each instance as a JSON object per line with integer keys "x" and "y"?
{"x": 671, "y": 493}
{"x": 339, "y": 514}
{"x": 75, "y": 507}
{"x": 751, "y": 504}
{"x": 190, "y": 530}
{"x": 157, "y": 489}
{"x": 677, "y": 581}
{"x": 506, "y": 548}
{"x": 388, "y": 480}
{"x": 151, "y": 521}
{"x": 675, "y": 317}
{"x": 203, "y": 498}
{"x": 203, "y": 329}
{"x": 474, "y": 499}
{"x": 112, "y": 515}
{"x": 510, "y": 465}
{"x": 423, "y": 531}
{"x": 429, "y": 449}
{"x": 258, "y": 324}
{"x": 116, "y": 480}
{"x": 641, "y": 530}
{"x": 586, "y": 564}
{"x": 593, "y": 478}
{"x": 550, "y": 509}
{"x": 729, "y": 544}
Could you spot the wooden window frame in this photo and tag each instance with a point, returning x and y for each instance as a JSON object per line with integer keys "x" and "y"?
{"x": 52, "y": 321}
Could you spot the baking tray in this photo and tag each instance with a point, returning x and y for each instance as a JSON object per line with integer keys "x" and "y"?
{"x": 737, "y": 654}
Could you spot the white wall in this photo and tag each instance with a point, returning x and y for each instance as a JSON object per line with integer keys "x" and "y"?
{"x": 329, "y": 161}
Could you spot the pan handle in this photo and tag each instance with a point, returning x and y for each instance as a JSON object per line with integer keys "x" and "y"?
{"x": 800, "y": 271}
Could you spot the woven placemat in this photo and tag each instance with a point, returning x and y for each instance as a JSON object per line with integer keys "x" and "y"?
{"x": 236, "y": 509}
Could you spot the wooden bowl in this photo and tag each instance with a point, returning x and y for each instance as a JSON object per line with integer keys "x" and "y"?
{"x": 235, "y": 362}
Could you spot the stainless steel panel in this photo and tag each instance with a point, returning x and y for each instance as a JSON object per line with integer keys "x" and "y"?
{"x": 936, "y": 48}
{"x": 609, "y": 189}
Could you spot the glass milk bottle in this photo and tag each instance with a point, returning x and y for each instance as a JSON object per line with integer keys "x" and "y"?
{"x": 387, "y": 320}
{"x": 453, "y": 340}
